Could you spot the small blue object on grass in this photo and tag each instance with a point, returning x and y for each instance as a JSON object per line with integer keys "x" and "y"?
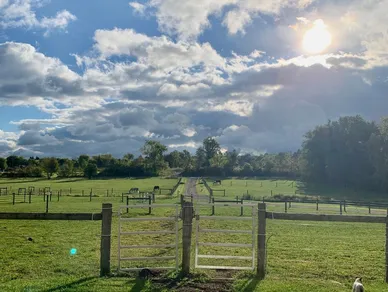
{"x": 73, "y": 251}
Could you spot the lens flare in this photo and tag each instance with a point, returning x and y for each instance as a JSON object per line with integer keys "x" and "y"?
{"x": 73, "y": 251}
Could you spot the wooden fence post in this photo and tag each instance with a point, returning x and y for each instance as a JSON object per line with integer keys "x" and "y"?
{"x": 344, "y": 206}
{"x": 386, "y": 250}
{"x": 261, "y": 248}
{"x": 106, "y": 228}
{"x": 213, "y": 207}
{"x": 340, "y": 207}
{"x": 29, "y": 198}
{"x": 58, "y": 196}
{"x": 182, "y": 199}
{"x": 149, "y": 203}
{"x": 285, "y": 206}
{"x": 289, "y": 204}
{"x": 47, "y": 202}
{"x": 13, "y": 198}
{"x": 187, "y": 218}
{"x": 242, "y": 207}
{"x": 127, "y": 204}
{"x": 369, "y": 208}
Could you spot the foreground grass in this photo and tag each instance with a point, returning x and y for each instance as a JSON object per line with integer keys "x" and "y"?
{"x": 302, "y": 256}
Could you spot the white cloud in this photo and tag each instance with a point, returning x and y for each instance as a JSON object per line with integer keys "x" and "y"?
{"x": 21, "y": 13}
{"x": 188, "y": 20}
{"x": 138, "y": 7}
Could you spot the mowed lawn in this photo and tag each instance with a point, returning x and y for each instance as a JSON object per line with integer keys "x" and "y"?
{"x": 302, "y": 256}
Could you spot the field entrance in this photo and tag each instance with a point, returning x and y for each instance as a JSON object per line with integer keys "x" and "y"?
{"x": 225, "y": 242}
{"x": 145, "y": 240}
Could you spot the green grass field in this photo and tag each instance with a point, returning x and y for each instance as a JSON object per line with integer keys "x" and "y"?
{"x": 302, "y": 256}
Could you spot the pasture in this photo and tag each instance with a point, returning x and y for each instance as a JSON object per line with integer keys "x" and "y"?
{"x": 302, "y": 256}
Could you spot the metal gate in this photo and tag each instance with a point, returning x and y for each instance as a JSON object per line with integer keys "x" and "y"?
{"x": 150, "y": 219}
{"x": 200, "y": 231}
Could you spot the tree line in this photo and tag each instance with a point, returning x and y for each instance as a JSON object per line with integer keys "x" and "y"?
{"x": 350, "y": 151}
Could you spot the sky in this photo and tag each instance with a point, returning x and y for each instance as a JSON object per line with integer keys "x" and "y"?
{"x": 94, "y": 77}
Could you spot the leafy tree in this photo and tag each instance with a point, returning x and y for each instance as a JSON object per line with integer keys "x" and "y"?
{"x": 83, "y": 161}
{"x": 211, "y": 148}
{"x": 91, "y": 170}
{"x": 16, "y": 161}
{"x": 200, "y": 158}
{"x": 153, "y": 152}
{"x": 67, "y": 168}
{"x": 50, "y": 166}
{"x": 128, "y": 158}
{"x": 3, "y": 163}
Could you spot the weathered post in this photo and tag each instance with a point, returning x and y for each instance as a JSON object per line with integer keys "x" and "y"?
{"x": 386, "y": 249}
{"x": 182, "y": 200}
{"x": 285, "y": 206}
{"x": 150, "y": 204}
{"x": 13, "y": 198}
{"x": 317, "y": 204}
{"x": 340, "y": 207}
{"x": 261, "y": 248}
{"x": 58, "y": 197}
{"x": 29, "y": 198}
{"x": 47, "y": 202}
{"x": 213, "y": 207}
{"x": 344, "y": 206}
{"x": 106, "y": 228}
{"x": 127, "y": 204}
{"x": 242, "y": 207}
{"x": 51, "y": 193}
{"x": 369, "y": 208}
{"x": 187, "y": 218}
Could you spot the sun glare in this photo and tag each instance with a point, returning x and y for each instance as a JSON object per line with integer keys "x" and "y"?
{"x": 316, "y": 39}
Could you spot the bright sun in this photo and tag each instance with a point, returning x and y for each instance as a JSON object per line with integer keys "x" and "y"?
{"x": 316, "y": 39}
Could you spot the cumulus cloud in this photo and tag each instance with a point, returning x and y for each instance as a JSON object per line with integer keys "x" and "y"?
{"x": 21, "y": 13}
{"x": 26, "y": 74}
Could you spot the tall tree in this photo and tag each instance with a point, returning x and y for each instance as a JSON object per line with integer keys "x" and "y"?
{"x": 50, "y": 166}
{"x": 211, "y": 148}
{"x": 83, "y": 161}
{"x": 153, "y": 152}
{"x": 3, "y": 163}
{"x": 91, "y": 170}
{"x": 66, "y": 169}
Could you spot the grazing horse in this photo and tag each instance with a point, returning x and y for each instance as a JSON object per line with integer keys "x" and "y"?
{"x": 156, "y": 188}
{"x": 217, "y": 182}
{"x": 134, "y": 190}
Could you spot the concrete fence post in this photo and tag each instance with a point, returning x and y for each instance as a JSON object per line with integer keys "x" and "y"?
{"x": 261, "y": 241}
{"x": 106, "y": 229}
{"x": 187, "y": 218}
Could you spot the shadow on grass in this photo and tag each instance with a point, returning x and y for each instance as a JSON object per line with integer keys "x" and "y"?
{"x": 71, "y": 285}
{"x": 20, "y": 181}
{"x": 249, "y": 285}
{"x": 139, "y": 285}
